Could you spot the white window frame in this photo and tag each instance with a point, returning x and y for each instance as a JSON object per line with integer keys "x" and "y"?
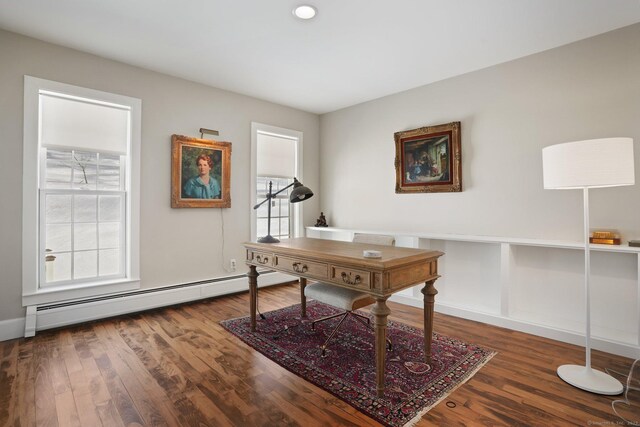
{"x": 296, "y": 208}
{"x": 32, "y": 294}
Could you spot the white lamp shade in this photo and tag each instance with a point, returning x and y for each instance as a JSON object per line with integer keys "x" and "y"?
{"x": 606, "y": 162}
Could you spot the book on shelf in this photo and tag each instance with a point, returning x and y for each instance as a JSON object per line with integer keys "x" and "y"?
{"x": 604, "y": 238}
{"x": 611, "y": 241}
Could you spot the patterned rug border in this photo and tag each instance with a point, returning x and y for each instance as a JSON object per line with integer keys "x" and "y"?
{"x": 391, "y": 323}
{"x": 466, "y": 378}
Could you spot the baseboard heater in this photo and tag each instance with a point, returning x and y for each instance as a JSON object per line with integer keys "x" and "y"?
{"x": 142, "y": 292}
{"x": 47, "y": 316}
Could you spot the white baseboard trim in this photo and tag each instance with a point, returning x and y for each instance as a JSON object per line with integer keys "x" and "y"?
{"x": 12, "y": 328}
{"x": 613, "y": 347}
{"x": 94, "y": 310}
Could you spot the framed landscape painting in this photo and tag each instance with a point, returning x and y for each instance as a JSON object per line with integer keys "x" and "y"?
{"x": 428, "y": 159}
{"x": 200, "y": 173}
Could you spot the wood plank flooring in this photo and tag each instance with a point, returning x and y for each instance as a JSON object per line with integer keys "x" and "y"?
{"x": 178, "y": 367}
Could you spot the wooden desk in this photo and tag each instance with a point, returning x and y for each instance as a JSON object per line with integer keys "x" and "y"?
{"x": 342, "y": 264}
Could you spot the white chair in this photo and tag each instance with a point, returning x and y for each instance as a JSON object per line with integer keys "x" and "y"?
{"x": 348, "y": 300}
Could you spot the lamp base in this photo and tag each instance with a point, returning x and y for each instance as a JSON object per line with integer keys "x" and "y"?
{"x": 268, "y": 239}
{"x": 590, "y": 380}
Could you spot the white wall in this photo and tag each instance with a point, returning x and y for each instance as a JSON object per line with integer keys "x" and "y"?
{"x": 177, "y": 245}
{"x": 589, "y": 89}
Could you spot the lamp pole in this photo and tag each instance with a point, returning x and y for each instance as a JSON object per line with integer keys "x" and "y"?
{"x": 269, "y": 197}
{"x": 587, "y": 275}
{"x": 299, "y": 193}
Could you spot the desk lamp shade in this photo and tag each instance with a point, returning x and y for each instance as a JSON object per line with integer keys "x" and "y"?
{"x": 594, "y": 163}
{"x": 300, "y": 192}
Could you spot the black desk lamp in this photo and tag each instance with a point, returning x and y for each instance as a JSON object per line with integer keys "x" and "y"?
{"x": 299, "y": 193}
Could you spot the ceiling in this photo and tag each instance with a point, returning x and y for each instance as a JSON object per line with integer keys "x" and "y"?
{"x": 353, "y": 51}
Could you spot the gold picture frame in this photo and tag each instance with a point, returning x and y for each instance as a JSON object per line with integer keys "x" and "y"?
{"x": 200, "y": 173}
{"x": 428, "y": 159}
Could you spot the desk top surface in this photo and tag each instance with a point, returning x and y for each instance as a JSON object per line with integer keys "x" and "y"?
{"x": 333, "y": 250}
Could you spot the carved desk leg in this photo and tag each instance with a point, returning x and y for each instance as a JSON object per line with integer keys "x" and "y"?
{"x": 429, "y": 291}
{"x": 303, "y": 299}
{"x": 253, "y": 294}
{"x": 380, "y": 312}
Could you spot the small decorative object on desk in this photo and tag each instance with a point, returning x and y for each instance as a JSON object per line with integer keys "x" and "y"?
{"x": 322, "y": 221}
{"x": 605, "y": 238}
{"x": 634, "y": 243}
{"x": 368, "y": 253}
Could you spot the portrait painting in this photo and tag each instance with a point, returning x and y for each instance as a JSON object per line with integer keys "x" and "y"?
{"x": 428, "y": 159}
{"x": 200, "y": 173}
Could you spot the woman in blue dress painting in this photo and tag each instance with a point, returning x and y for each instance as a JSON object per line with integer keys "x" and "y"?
{"x": 203, "y": 186}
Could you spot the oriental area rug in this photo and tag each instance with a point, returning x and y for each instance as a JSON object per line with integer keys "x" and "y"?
{"x": 348, "y": 369}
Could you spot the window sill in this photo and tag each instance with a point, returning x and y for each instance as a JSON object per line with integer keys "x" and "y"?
{"x": 55, "y": 294}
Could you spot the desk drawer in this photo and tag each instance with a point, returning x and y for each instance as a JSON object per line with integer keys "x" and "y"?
{"x": 359, "y": 279}
{"x": 308, "y": 268}
{"x": 260, "y": 258}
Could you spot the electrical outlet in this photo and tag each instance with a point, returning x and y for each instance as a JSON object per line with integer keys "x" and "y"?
{"x": 232, "y": 264}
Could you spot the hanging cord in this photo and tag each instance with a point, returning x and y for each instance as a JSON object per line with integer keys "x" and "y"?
{"x": 224, "y": 265}
{"x": 623, "y": 378}
{"x": 628, "y": 405}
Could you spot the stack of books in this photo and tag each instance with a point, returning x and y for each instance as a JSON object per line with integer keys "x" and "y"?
{"x": 605, "y": 238}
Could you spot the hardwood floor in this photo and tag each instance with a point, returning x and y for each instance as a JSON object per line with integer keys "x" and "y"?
{"x": 178, "y": 367}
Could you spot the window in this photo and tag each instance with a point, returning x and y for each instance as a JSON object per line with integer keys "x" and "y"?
{"x": 82, "y": 211}
{"x": 276, "y": 154}
{"x": 81, "y": 203}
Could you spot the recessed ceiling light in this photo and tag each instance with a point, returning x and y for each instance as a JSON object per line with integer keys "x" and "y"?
{"x": 305, "y": 11}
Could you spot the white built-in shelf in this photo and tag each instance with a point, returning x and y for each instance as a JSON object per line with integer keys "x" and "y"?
{"x": 479, "y": 239}
{"x": 530, "y": 285}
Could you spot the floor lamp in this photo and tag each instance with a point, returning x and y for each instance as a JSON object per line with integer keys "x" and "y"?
{"x": 582, "y": 165}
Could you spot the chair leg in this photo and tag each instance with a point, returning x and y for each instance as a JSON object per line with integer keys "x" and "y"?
{"x": 360, "y": 315}
{"x": 389, "y": 345}
{"x": 324, "y": 346}
{"x": 313, "y": 324}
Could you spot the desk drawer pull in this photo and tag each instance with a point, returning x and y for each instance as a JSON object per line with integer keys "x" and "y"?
{"x": 346, "y": 278}
{"x": 298, "y": 267}
{"x": 262, "y": 259}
